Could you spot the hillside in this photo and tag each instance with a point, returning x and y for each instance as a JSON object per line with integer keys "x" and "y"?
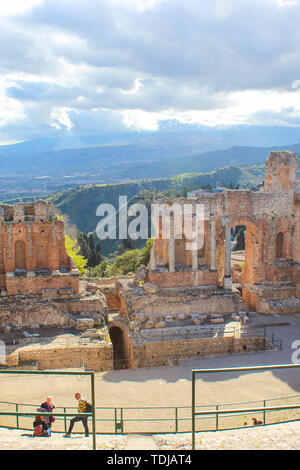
{"x": 135, "y": 155}
{"x": 80, "y": 205}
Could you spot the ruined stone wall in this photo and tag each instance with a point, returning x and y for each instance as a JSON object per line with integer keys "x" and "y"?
{"x": 136, "y": 304}
{"x": 281, "y": 169}
{"x": 182, "y": 278}
{"x": 32, "y": 243}
{"x": 155, "y": 354}
{"x": 21, "y": 286}
{"x": 272, "y": 253}
{"x": 53, "y": 308}
{"x": 93, "y": 357}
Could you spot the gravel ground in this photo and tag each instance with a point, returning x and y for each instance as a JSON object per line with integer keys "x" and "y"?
{"x": 276, "y": 437}
{"x": 13, "y": 439}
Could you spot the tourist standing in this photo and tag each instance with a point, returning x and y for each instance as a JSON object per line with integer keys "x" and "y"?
{"x": 83, "y": 407}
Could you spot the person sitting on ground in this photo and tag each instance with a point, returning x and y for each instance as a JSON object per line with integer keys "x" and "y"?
{"x": 83, "y": 407}
{"x": 40, "y": 428}
{"x": 48, "y": 407}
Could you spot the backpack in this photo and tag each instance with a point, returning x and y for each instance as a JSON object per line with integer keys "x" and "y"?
{"x": 39, "y": 431}
{"x": 88, "y": 408}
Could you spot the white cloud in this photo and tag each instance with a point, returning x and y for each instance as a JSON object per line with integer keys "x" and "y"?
{"x": 287, "y": 3}
{"x": 108, "y": 64}
{"x": 12, "y": 7}
{"x": 60, "y": 118}
{"x": 223, "y": 8}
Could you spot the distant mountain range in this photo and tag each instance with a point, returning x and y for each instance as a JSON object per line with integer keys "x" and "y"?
{"x": 173, "y": 149}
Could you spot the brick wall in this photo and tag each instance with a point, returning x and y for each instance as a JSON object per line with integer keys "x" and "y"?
{"x": 94, "y": 357}
{"x": 154, "y": 354}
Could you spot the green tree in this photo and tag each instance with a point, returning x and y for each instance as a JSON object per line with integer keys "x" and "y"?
{"x": 73, "y": 250}
{"x": 91, "y": 251}
{"x": 101, "y": 270}
{"x": 129, "y": 261}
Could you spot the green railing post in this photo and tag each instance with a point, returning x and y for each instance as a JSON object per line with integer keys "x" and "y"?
{"x": 193, "y": 410}
{"x": 217, "y": 418}
{"x": 264, "y": 412}
{"x": 233, "y": 369}
{"x": 17, "y": 420}
{"x": 176, "y": 419}
{"x": 94, "y": 409}
{"x": 121, "y": 421}
{"x": 116, "y": 420}
{"x": 65, "y": 421}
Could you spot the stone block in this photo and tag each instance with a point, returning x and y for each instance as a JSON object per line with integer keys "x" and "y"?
{"x": 92, "y": 287}
{"x": 180, "y": 316}
{"x": 141, "y": 274}
{"x": 216, "y": 315}
{"x": 235, "y": 317}
{"x": 74, "y": 272}
{"x": 169, "y": 318}
{"x": 216, "y": 320}
{"x": 83, "y": 324}
{"x": 195, "y": 315}
{"x": 26, "y": 334}
{"x": 30, "y": 274}
{"x": 49, "y": 292}
{"x": 150, "y": 288}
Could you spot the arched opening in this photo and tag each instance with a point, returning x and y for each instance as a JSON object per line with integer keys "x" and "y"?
{"x": 20, "y": 255}
{"x": 202, "y": 251}
{"x": 280, "y": 245}
{"x": 238, "y": 247}
{"x": 119, "y": 346}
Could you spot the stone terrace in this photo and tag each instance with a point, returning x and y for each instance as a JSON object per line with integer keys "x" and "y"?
{"x": 276, "y": 437}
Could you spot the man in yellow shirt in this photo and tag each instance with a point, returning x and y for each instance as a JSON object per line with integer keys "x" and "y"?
{"x": 82, "y": 408}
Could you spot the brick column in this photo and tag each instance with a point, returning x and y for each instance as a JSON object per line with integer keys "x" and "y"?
{"x": 195, "y": 259}
{"x": 227, "y": 279}
{"x": 171, "y": 248}
{"x": 213, "y": 259}
{"x": 152, "y": 262}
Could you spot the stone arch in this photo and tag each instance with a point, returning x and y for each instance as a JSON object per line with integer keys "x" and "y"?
{"x": 120, "y": 347}
{"x": 280, "y": 251}
{"x": 252, "y": 249}
{"x": 20, "y": 255}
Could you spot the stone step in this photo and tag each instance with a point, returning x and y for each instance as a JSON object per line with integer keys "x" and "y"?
{"x": 280, "y": 306}
{"x": 282, "y": 291}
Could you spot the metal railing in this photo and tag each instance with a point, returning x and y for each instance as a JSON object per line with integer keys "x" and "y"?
{"x": 206, "y": 331}
{"x": 18, "y": 414}
{"x": 217, "y": 412}
{"x": 157, "y": 420}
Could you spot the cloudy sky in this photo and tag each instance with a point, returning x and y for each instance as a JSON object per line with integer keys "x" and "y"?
{"x": 91, "y": 66}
